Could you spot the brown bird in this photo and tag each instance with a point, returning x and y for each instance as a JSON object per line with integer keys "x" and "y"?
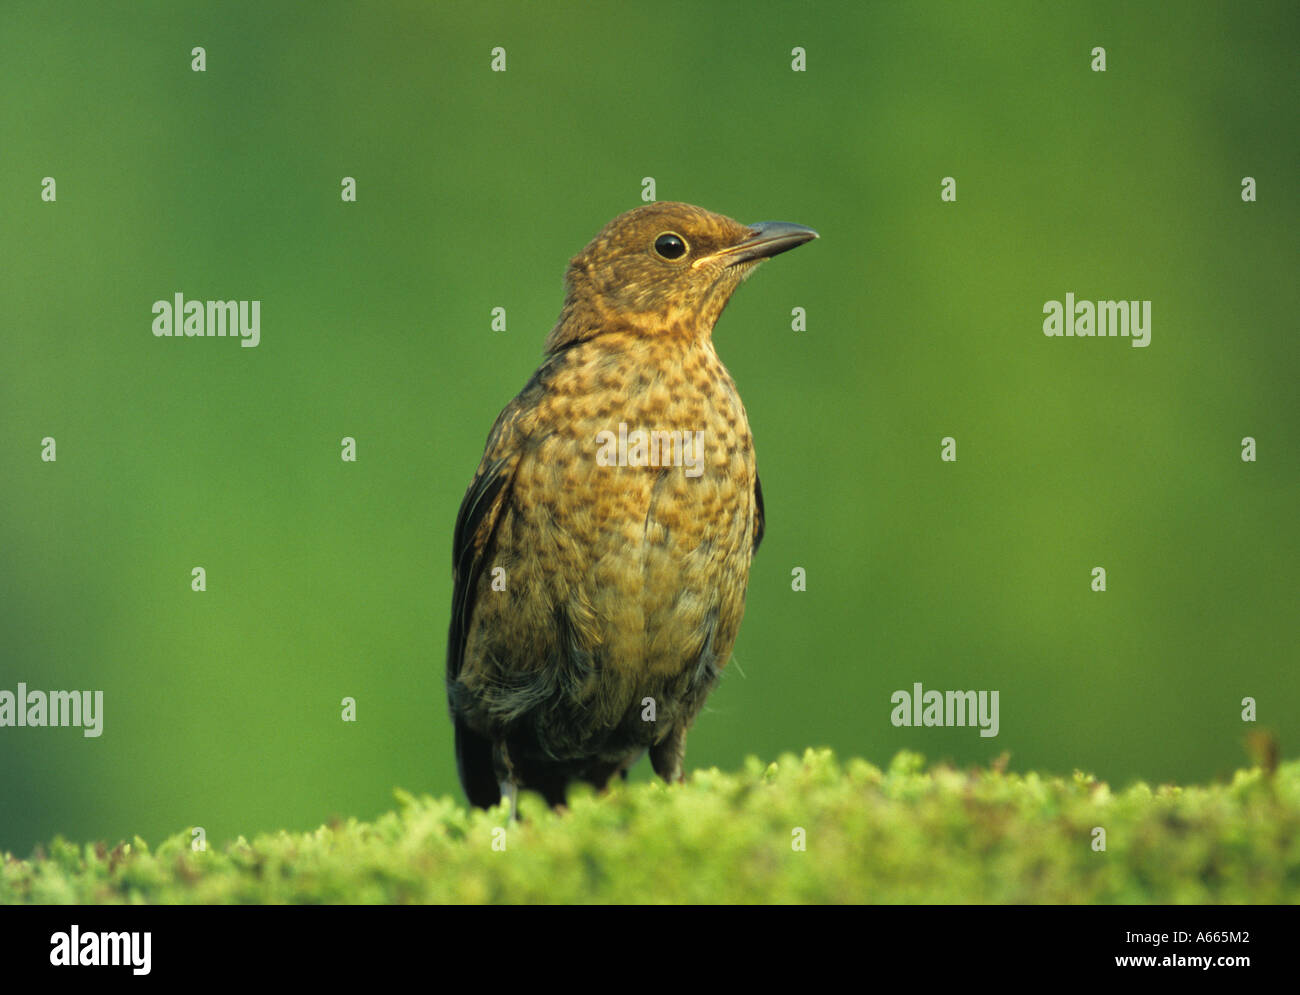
{"x": 601, "y": 554}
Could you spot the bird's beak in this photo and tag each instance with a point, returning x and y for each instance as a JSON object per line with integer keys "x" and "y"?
{"x": 769, "y": 238}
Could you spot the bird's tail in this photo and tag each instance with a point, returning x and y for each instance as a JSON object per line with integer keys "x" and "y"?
{"x": 474, "y": 763}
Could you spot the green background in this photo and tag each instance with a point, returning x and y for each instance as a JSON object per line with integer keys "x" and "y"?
{"x": 326, "y": 579}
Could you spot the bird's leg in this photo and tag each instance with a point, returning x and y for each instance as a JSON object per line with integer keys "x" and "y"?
{"x": 506, "y": 779}
{"x": 508, "y": 790}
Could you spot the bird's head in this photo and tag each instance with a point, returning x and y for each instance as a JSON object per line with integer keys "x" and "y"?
{"x": 665, "y": 268}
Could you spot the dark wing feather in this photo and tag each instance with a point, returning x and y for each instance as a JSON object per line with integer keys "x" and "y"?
{"x": 472, "y": 543}
{"x": 760, "y": 519}
{"x": 488, "y": 494}
{"x": 475, "y": 526}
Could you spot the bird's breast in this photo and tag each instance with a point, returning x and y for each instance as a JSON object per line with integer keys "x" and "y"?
{"x": 631, "y": 520}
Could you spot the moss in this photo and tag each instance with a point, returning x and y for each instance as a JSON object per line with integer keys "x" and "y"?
{"x": 905, "y": 834}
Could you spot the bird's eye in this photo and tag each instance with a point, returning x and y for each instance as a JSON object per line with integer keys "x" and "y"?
{"x": 670, "y": 246}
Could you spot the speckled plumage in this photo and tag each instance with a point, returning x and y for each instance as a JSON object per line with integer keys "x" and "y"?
{"x": 621, "y": 582}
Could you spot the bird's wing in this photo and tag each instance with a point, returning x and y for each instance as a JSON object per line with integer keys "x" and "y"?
{"x": 760, "y": 520}
{"x": 477, "y": 522}
{"x": 476, "y": 527}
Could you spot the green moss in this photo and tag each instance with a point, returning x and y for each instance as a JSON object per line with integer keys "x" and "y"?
{"x": 905, "y": 834}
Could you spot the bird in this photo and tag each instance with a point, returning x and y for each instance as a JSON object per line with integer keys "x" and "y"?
{"x": 601, "y": 554}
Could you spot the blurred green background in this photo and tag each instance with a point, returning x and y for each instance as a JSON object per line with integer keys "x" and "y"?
{"x": 327, "y": 579}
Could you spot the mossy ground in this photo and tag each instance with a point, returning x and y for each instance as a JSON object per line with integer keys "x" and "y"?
{"x": 904, "y": 834}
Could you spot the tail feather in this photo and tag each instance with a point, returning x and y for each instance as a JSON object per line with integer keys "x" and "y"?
{"x": 474, "y": 763}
